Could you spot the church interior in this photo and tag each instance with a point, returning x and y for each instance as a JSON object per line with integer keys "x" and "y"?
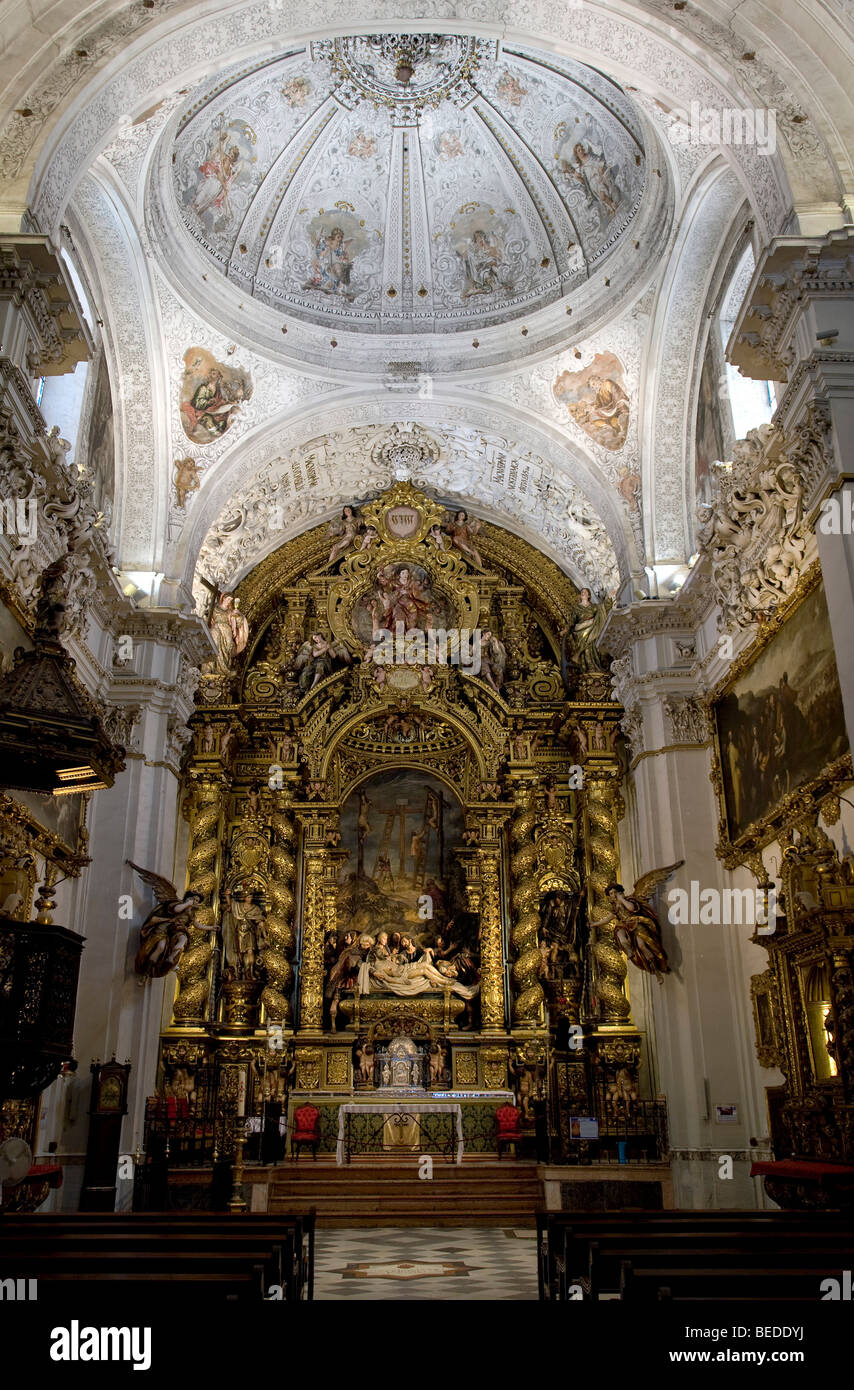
{"x": 426, "y": 675}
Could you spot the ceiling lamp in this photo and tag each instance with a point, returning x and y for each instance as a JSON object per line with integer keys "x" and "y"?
{"x": 405, "y": 70}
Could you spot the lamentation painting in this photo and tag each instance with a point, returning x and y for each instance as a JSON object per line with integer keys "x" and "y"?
{"x": 404, "y": 928}
{"x": 781, "y": 723}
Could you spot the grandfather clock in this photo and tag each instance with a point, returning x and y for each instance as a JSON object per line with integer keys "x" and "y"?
{"x": 106, "y": 1112}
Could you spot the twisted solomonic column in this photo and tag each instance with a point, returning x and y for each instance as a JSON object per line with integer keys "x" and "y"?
{"x": 203, "y": 869}
{"x": 600, "y": 795}
{"x": 276, "y": 959}
{"x": 529, "y": 998}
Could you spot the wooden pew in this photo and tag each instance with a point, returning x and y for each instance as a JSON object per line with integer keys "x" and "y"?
{"x": 249, "y": 1251}
{"x": 565, "y": 1241}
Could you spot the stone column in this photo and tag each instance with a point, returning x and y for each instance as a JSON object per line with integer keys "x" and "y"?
{"x": 695, "y": 1027}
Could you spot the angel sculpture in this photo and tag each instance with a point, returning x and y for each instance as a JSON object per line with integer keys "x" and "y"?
{"x": 638, "y": 930}
{"x": 317, "y": 658}
{"x": 493, "y": 660}
{"x": 462, "y": 533}
{"x": 344, "y": 532}
{"x": 165, "y": 934}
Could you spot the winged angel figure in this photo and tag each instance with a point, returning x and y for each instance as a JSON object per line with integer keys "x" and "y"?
{"x": 638, "y": 930}
{"x": 165, "y": 933}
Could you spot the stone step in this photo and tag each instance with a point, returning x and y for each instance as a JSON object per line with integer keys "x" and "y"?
{"x": 375, "y": 1193}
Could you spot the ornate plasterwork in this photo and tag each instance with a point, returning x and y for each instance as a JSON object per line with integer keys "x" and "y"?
{"x": 483, "y": 470}
{"x": 492, "y": 183}
{"x": 149, "y": 89}
{"x": 109, "y": 260}
{"x": 678, "y": 323}
{"x": 755, "y": 533}
{"x": 687, "y": 719}
{"x": 810, "y": 167}
{"x": 598, "y": 36}
{"x": 791, "y": 271}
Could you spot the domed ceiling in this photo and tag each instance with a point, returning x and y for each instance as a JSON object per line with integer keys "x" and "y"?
{"x": 411, "y": 184}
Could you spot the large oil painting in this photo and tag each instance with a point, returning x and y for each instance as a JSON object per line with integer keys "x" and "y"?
{"x": 101, "y": 440}
{"x": 403, "y": 927}
{"x": 781, "y": 722}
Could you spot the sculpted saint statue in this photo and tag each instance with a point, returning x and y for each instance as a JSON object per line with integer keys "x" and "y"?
{"x": 638, "y": 930}
{"x": 230, "y": 632}
{"x": 579, "y": 637}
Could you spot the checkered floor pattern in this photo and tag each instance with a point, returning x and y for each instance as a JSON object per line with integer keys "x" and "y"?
{"x": 426, "y": 1263}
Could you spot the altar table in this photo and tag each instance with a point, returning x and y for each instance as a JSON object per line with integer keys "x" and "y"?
{"x": 400, "y": 1107}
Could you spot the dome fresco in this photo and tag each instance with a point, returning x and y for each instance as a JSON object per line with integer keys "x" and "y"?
{"x": 409, "y": 184}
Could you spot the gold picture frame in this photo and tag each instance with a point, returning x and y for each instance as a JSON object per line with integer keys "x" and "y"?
{"x": 782, "y": 787}
{"x": 766, "y": 1021}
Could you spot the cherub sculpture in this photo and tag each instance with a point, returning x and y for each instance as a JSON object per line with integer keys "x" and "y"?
{"x": 165, "y": 934}
{"x": 638, "y": 930}
{"x": 621, "y": 1094}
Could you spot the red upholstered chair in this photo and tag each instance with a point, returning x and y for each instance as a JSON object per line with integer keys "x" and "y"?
{"x": 508, "y": 1127}
{"x": 306, "y": 1129}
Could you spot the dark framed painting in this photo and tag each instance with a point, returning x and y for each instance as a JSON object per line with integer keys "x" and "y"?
{"x": 779, "y": 723}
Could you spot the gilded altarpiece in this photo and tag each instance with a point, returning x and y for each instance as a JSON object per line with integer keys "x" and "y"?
{"x": 406, "y": 835}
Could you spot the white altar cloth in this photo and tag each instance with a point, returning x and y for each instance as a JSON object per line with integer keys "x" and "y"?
{"x": 400, "y": 1107}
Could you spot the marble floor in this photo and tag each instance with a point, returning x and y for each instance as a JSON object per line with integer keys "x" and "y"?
{"x": 424, "y": 1263}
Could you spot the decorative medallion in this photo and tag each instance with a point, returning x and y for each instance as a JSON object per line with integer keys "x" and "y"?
{"x": 405, "y": 71}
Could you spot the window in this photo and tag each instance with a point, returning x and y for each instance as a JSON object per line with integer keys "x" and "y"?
{"x": 752, "y": 402}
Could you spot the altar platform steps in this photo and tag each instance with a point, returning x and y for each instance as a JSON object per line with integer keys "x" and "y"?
{"x": 387, "y": 1193}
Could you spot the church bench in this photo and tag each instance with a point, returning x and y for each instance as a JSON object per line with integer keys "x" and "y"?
{"x": 656, "y": 1283}
{"x": 564, "y": 1238}
{"x": 285, "y": 1244}
{"x": 606, "y": 1254}
{"x": 604, "y": 1275}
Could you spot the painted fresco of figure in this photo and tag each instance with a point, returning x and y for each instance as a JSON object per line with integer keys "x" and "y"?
{"x": 211, "y": 395}
{"x": 331, "y": 264}
{"x": 483, "y": 266}
{"x": 218, "y": 173}
{"x": 589, "y": 168}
